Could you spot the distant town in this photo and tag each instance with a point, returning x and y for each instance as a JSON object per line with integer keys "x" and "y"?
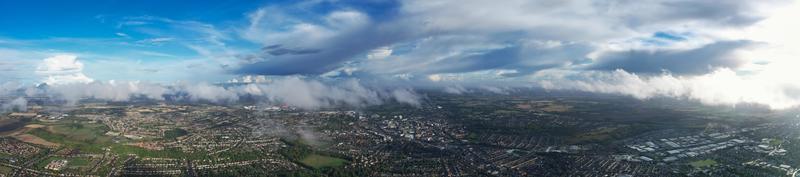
{"x": 467, "y": 135}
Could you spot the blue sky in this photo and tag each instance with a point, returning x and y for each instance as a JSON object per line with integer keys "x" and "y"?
{"x": 584, "y": 45}
{"x": 97, "y": 19}
{"x": 37, "y": 19}
{"x": 145, "y": 34}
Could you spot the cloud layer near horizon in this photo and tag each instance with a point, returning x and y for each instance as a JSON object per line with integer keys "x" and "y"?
{"x": 676, "y": 48}
{"x": 721, "y": 87}
{"x": 291, "y": 91}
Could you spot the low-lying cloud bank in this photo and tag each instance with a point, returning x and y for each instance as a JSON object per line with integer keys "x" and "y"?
{"x": 11, "y": 103}
{"x": 291, "y": 91}
{"x": 721, "y": 87}
{"x": 18, "y": 104}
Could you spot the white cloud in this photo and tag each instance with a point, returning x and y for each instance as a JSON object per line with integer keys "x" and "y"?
{"x": 496, "y": 90}
{"x": 406, "y": 96}
{"x": 247, "y": 79}
{"x": 19, "y": 104}
{"x": 451, "y": 41}
{"x": 435, "y": 77}
{"x": 155, "y": 41}
{"x": 310, "y": 94}
{"x": 721, "y": 87}
{"x": 62, "y": 69}
{"x": 207, "y": 92}
{"x": 379, "y": 53}
{"x": 292, "y": 91}
{"x": 767, "y": 77}
{"x": 456, "y": 89}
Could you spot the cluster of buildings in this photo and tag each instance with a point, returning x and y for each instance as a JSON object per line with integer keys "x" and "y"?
{"x": 676, "y": 148}
{"x": 17, "y": 148}
{"x": 782, "y": 167}
{"x": 770, "y": 147}
{"x": 57, "y": 165}
{"x": 676, "y": 154}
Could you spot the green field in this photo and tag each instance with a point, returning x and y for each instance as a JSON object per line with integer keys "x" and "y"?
{"x": 85, "y": 132}
{"x": 5, "y": 170}
{"x": 703, "y": 163}
{"x": 320, "y": 161}
{"x": 4, "y": 155}
{"x": 175, "y": 133}
{"x": 79, "y": 162}
{"x": 87, "y": 146}
{"x": 88, "y": 137}
{"x": 167, "y": 153}
{"x": 775, "y": 142}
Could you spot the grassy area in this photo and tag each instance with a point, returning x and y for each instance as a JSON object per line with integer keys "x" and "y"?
{"x": 142, "y": 152}
{"x": 703, "y": 163}
{"x": 85, "y": 132}
{"x": 596, "y": 135}
{"x": 5, "y": 170}
{"x": 320, "y": 161}
{"x": 87, "y": 137}
{"x": 302, "y": 153}
{"x": 4, "y": 155}
{"x": 87, "y": 146}
{"x": 79, "y": 162}
{"x": 175, "y": 133}
{"x": 775, "y": 142}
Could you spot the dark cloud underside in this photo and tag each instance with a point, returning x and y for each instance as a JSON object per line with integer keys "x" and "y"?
{"x": 681, "y": 62}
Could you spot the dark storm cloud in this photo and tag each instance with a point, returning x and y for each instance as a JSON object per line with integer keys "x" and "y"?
{"x": 697, "y": 61}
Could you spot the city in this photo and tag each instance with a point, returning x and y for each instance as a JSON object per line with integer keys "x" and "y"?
{"x": 450, "y": 135}
{"x": 400, "y": 88}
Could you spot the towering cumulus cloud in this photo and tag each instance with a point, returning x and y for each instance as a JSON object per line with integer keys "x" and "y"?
{"x": 62, "y": 69}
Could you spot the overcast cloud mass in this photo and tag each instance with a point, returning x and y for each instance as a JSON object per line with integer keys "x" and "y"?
{"x": 318, "y": 54}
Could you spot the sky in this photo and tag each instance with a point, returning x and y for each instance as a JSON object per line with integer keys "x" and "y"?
{"x": 715, "y": 52}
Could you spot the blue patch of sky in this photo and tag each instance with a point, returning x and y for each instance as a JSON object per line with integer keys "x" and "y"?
{"x": 668, "y": 36}
{"x": 663, "y": 38}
